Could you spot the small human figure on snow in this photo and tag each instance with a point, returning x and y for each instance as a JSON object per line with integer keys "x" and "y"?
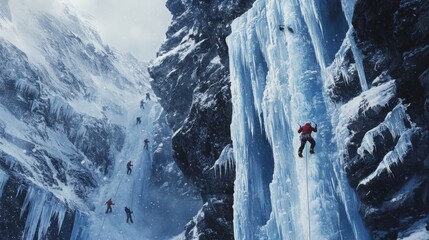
{"x": 146, "y": 144}
{"x": 139, "y": 120}
{"x": 109, "y": 204}
{"x": 129, "y": 216}
{"x": 142, "y": 104}
{"x": 147, "y": 97}
{"x": 306, "y": 136}
{"x": 129, "y": 165}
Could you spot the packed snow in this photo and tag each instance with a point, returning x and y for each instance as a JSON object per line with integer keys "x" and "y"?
{"x": 127, "y": 190}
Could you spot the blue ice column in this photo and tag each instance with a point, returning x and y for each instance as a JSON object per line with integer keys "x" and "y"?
{"x": 275, "y": 84}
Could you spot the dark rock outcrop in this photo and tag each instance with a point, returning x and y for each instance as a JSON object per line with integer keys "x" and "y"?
{"x": 394, "y": 41}
{"x": 191, "y": 77}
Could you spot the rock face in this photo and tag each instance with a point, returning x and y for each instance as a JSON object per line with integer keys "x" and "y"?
{"x": 192, "y": 79}
{"x": 391, "y": 179}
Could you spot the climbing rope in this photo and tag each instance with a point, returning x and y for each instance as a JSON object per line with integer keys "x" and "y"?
{"x": 132, "y": 197}
{"x": 116, "y": 192}
{"x": 114, "y": 196}
{"x": 308, "y": 198}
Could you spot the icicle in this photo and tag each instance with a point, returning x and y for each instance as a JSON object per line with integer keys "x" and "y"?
{"x": 348, "y": 7}
{"x": 80, "y": 226}
{"x": 394, "y": 122}
{"x": 3, "y": 179}
{"x": 42, "y": 207}
{"x": 358, "y": 60}
{"x": 26, "y": 87}
{"x": 403, "y": 146}
{"x": 60, "y": 108}
{"x": 225, "y": 160}
{"x": 375, "y": 97}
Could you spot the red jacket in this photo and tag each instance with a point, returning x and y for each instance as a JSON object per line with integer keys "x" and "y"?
{"x": 110, "y": 203}
{"x": 307, "y": 129}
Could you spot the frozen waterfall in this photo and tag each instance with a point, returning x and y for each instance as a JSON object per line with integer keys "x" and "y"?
{"x": 277, "y": 82}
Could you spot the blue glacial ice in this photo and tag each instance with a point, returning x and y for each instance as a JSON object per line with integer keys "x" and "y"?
{"x": 277, "y": 82}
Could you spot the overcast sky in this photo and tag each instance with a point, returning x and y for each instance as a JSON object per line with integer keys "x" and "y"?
{"x": 134, "y": 26}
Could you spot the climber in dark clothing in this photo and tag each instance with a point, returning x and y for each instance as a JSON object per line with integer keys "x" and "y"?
{"x": 139, "y": 120}
{"x": 129, "y": 216}
{"x": 146, "y": 146}
{"x": 142, "y": 104}
{"x": 109, "y": 204}
{"x": 129, "y": 165}
{"x": 147, "y": 97}
{"x": 306, "y": 136}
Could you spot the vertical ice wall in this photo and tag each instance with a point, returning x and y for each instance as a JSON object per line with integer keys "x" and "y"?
{"x": 276, "y": 84}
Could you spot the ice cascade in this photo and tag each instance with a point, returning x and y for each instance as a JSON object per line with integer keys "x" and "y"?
{"x": 42, "y": 207}
{"x": 276, "y": 84}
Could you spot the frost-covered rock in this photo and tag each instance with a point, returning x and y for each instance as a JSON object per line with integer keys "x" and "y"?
{"x": 213, "y": 221}
{"x": 385, "y": 154}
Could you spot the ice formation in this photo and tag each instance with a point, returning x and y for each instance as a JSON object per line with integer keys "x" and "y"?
{"x": 225, "y": 161}
{"x": 277, "y": 82}
{"x": 3, "y": 179}
{"x": 42, "y": 207}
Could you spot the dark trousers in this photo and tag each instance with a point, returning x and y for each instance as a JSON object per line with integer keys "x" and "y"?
{"x": 129, "y": 218}
{"x": 128, "y": 170}
{"x": 146, "y": 147}
{"x": 304, "y": 139}
{"x": 109, "y": 209}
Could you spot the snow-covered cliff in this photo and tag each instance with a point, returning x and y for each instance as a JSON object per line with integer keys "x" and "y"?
{"x": 66, "y": 101}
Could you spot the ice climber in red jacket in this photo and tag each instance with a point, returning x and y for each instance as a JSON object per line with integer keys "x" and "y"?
{"x": 109, "y": 204}
{"x": 306, "y": 136}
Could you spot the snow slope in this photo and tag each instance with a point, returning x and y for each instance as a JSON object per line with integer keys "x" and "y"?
{"x": 127, "y": 190}
{"x": 67, "y": 105}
